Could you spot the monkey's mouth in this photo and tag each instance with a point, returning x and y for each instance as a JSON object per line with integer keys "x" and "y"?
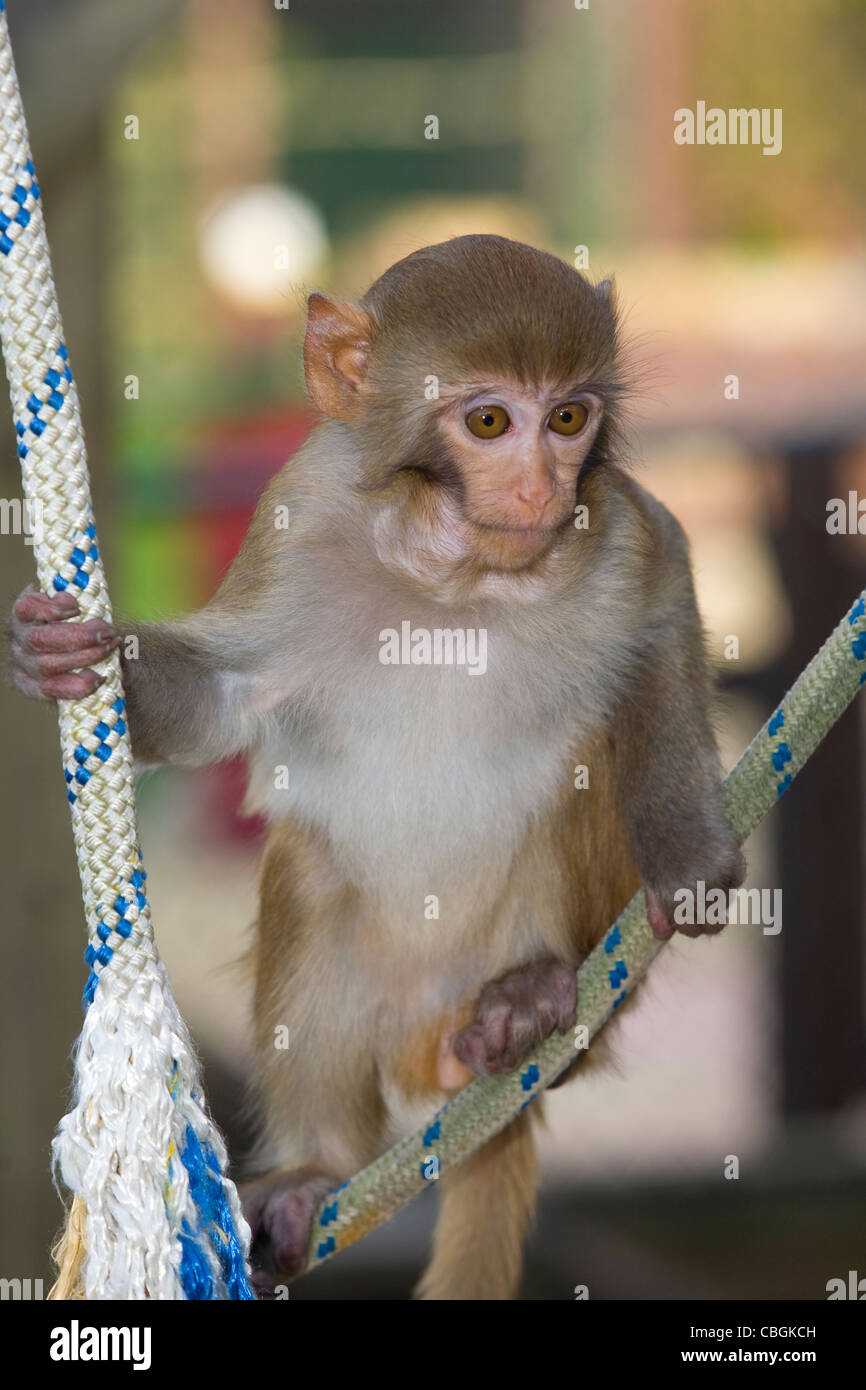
{"x": 529, "y": 535}
{"x": 514, "y": 548}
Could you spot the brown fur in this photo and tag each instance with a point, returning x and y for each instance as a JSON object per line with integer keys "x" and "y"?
{"x": 485, "y": 1206}
{"x": 314, "y": 940}
{"x": 407, "y": 783}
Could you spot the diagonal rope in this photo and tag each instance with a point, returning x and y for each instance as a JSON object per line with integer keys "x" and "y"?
{"x": 619, "y": 962}
{"x": 152, "y": 1214}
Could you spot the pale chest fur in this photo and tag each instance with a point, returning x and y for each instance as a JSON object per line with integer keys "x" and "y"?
{"x": 426, "y": 778}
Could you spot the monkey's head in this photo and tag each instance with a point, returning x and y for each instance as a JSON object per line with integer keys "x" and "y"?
{"x": 479, "y": 378}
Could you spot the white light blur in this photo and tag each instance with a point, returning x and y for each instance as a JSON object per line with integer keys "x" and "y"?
{"x": 258, "y": 244}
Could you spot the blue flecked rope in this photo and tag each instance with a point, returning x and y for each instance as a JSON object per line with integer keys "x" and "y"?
{"x": 612, "y": 971}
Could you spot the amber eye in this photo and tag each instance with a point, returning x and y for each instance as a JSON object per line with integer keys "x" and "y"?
{"x": 569, "y": 418}
{"x": 487, "y": 421}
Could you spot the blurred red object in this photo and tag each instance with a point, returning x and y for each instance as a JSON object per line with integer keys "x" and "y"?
{"x": 238, "y": 458}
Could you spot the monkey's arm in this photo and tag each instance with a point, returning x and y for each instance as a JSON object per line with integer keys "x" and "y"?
{"x": 192, "y": 693}
{"x": 196, "y": 687}
{"x": 199, "y": 686}
{"x": 667, "y": 765}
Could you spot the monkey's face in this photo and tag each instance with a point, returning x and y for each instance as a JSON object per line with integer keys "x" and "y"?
{"x": 516, "y": 453}
{"x": 476, "y": 377}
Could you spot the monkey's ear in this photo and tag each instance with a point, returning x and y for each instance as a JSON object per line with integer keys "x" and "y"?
{"x": 606, "y": 290}
{"x": 336, "y": 352}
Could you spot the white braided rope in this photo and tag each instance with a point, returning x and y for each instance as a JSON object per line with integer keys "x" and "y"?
{"x": 137, "y": 1089}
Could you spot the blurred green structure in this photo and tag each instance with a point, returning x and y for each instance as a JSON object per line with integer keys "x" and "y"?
{"x": 555, "y": 124}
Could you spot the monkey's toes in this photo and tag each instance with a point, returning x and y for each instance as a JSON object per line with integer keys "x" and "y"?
{"x": 279, "y": 1208}
{"x": 515, "y": 1012}
{"x": 662, "y": 927}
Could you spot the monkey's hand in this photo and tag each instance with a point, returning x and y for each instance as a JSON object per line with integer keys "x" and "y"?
{"x": 50, "y": 658}
{"x": 678, "y": 896}
{"x": 516, "y": 1011}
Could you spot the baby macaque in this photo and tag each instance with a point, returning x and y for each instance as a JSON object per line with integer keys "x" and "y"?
{"x": 433, "y": 876}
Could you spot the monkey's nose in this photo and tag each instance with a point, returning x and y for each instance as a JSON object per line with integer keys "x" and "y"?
{"x": 536, "y": 494}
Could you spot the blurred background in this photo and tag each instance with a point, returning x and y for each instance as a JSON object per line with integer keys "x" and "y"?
{"x": 204, "y": 163}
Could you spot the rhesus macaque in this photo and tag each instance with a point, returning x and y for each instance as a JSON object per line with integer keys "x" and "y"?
{"x": 433, "y": 876}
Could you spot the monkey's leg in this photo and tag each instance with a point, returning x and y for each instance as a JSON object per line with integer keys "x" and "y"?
{"x": 324, "y": 1119}
{"x": 485, "y": 1206}
{"x": 316, "y": 1076}
{"x": 321, "y": 1128}
{"x": 487, "y": 1202}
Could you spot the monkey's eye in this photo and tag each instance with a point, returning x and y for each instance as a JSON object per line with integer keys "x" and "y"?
{"x": 569, "y": 418}
{"x": 487, "y": 421}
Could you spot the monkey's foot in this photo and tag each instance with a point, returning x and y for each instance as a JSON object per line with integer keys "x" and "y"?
{"x": 279, "y": 1207}
{"x": 516, "y": 1011}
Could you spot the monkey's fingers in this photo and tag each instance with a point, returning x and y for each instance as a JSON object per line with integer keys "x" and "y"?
{"x": 663, "y": 926}
{"x": 264, "y": 1285}
{"x": 53, "y": 660}
{"x": 58, "y": 663}
{"x": 33, "y": 606}
{"x": 76, "y": 685}
{"x": 660, "y": 907}
{"x": 662, "y": 929}
{"x": 513, "y": 1013}
{"x": 470, "y": 1048}
{"x": 66, "y": 638}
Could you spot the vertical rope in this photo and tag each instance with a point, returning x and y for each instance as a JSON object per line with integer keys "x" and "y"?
{"x": 153, "y": 1215}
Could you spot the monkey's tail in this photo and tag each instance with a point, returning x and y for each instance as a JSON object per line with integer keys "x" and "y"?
{"x": 485, "y": 1207}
